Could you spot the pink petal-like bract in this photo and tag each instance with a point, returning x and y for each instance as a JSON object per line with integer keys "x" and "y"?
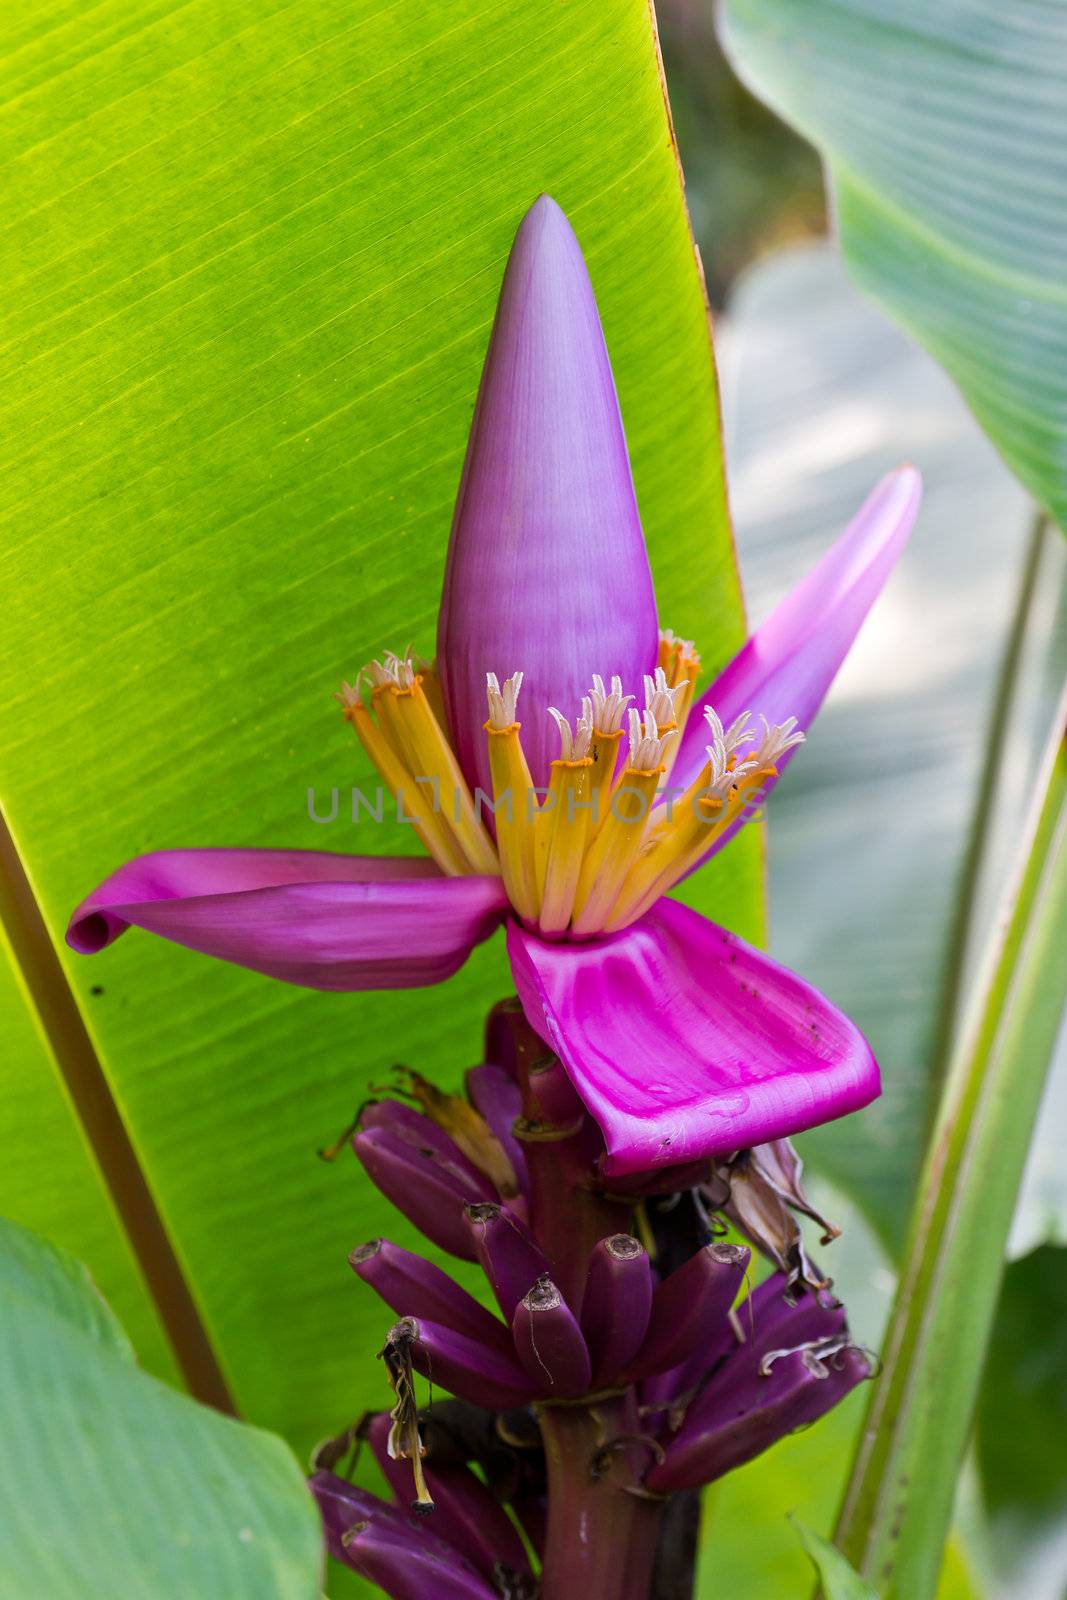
{"x": 786, "y": 667}
{"x": 308, "y": 917}
{"x": 683, "y": 1041}
{"x": 547, "y": 571}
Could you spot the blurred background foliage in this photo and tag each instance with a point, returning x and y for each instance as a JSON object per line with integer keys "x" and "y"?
{"x": 891, "y": 844}
{"x": 752, "y": 184}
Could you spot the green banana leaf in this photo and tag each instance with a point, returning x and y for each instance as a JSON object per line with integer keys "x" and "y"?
{"x": 251, "y": 255}
{"x": 113, "y": 1484}
{"x": 944, "y": 130}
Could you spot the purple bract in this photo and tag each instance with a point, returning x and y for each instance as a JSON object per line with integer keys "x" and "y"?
{"x": 681, "y": 1040}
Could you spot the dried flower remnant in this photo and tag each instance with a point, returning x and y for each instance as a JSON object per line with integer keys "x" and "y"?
{"x": 404, "y": 1442}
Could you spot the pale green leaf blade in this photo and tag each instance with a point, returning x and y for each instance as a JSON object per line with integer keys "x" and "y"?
{"x": 112, "y": 1484}
{"x": 838, "y": 1580}
{"x": 43, "y": 1277}
{"x": 251, "y": 256}
{"x": 945, "y": 132}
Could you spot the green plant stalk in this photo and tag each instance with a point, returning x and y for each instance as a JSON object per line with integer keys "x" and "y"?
{"x": 898, "y": 1502}
{"x": 1004, "y": 700}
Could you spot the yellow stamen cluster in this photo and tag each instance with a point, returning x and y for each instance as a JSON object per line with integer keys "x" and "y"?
{"x": 404, "y": 737}
{"x": 594, "y": 851}
{"x": 681, "y": 829}
{"x": 607, "y": 840}
{"x": 607, "y": 709}
{"x": 562, "y": 824}
{"x": 516, "y": 813}
{"x": 680, "y": 665}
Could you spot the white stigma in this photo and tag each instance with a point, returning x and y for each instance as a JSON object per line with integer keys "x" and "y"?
{"x": 776, "y": 740}
{"x": 574, "y": 746}
{"x": 608, "y": 705}
{"x": 502, "y": 700}
{"x": 684, "y": 647}
{"x": 401, "y": 668}
{"x": 725, "y": 771}
{"x": 379, "y": 676}
{"x": 348, "y": 695}
{"x": 646, "y": 744}
{"x": 731, "y": 738}
{"x": 660, "y": 697}
{"x": 392, "y": 671}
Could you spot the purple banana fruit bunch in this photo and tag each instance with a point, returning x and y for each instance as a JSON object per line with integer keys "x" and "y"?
{"x": 643, "y": 1381}
{"x": 475, "y": 1555}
